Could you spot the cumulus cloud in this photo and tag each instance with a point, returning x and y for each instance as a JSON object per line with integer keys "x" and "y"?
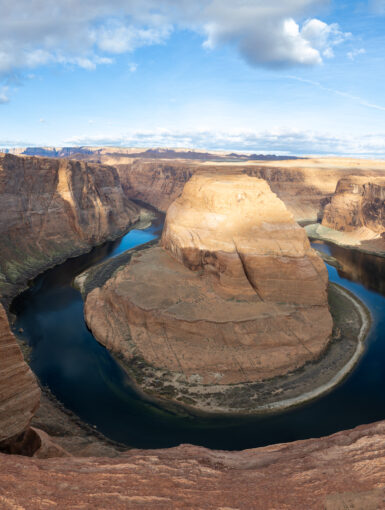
{"x": 279, "y": 141}
{"x": 269, "y": 34}
{"x": 34, "y": 33}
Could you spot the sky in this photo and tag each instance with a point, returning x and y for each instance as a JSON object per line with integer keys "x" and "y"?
{"x": 283, "y": 76}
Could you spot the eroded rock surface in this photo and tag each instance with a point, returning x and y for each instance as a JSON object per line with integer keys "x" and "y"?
{"x": 305, "y": 186}
{"x": 234, "y": 228}
{"x": 343, "y": 471}
{"x": 357, "y": 210}
{"x": 50, "y": 210}
{"x": 54, "y": 209}
{"x": 234, "y": 295}
{"x": 19, "y": 391}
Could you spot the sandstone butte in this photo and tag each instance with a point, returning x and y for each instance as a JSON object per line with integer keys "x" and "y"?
{"x": 346, "y": 470}
{"x": 235, "y": 294}
{"x": 50, "y": 210}
{"x": 356, "y": 214}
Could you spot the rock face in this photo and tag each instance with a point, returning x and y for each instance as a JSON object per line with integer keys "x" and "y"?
{"x": 355, "y": 216}
{"x": 346, "y": 470}
{"x": 305, "y": 186}
{"x": 53, "y": 209}
{"x": 358, "y": 206}
{"x": 19, "y": 391}
{"x": 235, "y": 295}
{"x": 233, "y": 227}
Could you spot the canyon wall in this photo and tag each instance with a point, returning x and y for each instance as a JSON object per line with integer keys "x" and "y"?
{"x": 305, "y": 186}
{"x": 50, "y": 210}
{"x": 157, "y": 176}
{"x": 53, "y": 209}
{"x": 355, "y": 217}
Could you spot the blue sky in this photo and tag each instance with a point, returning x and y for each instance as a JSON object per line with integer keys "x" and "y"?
{"x": 293, "y": 76}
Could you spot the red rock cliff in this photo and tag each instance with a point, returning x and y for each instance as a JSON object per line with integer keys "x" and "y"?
{"x": 50, "y": 210}
{"x": 54, "y": 209}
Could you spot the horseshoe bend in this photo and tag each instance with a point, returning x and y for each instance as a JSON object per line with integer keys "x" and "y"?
{"x": 232, "y": 295}
{"x": 229, "y": 312}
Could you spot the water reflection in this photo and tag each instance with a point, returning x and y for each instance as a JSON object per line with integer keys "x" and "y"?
{"x": 367, "y": 269}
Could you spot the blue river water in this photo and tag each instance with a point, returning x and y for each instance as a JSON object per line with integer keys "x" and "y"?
{"x": 86, "y": 378}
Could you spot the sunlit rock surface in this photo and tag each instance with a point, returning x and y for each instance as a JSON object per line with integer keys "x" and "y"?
{"x": 234, "y": 295}
{"x": 54, "y": 209}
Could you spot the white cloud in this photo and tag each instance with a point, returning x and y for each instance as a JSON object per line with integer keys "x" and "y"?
{"x": 34, "y": 33}
{"x": 323, "y": 37}
{"x": 267, "y": 33}
{"x": 355, "y": 53}
{"x": 278, "y": 141}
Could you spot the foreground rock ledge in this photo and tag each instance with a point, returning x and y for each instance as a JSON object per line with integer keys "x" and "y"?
{"x": 346, "y": 470}
{"x": 236, "y": 294}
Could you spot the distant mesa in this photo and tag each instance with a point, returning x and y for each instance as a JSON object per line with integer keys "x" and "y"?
{"x": 152, "y": 153}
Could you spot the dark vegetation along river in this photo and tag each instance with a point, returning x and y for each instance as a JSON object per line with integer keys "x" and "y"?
{"x": 86, "y": 378}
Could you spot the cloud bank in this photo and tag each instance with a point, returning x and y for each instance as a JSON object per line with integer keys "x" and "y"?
{"x": 280, "y": 141}
{"x": 88, "y": 33}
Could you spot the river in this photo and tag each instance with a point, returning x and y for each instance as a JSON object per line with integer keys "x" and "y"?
{"x": 87, "y": 380}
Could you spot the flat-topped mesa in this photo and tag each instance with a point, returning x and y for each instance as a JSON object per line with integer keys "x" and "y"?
{"x": 358, "y": 206}
{"x": 235, "y": 228}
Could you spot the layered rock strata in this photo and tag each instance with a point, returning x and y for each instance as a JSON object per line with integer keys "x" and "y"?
{"x": 305, "y": 186}
{"x": 234, "y": 295}
{"x": 342, "y": 471}
{"x": 51, "y": 210}
{"x": 234, "y": 228}
{"x": 356, "y": 215}
{"x": 19, "y": 391}
{"x": 54, "y": 209}
{"x": 157, "y": 176}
